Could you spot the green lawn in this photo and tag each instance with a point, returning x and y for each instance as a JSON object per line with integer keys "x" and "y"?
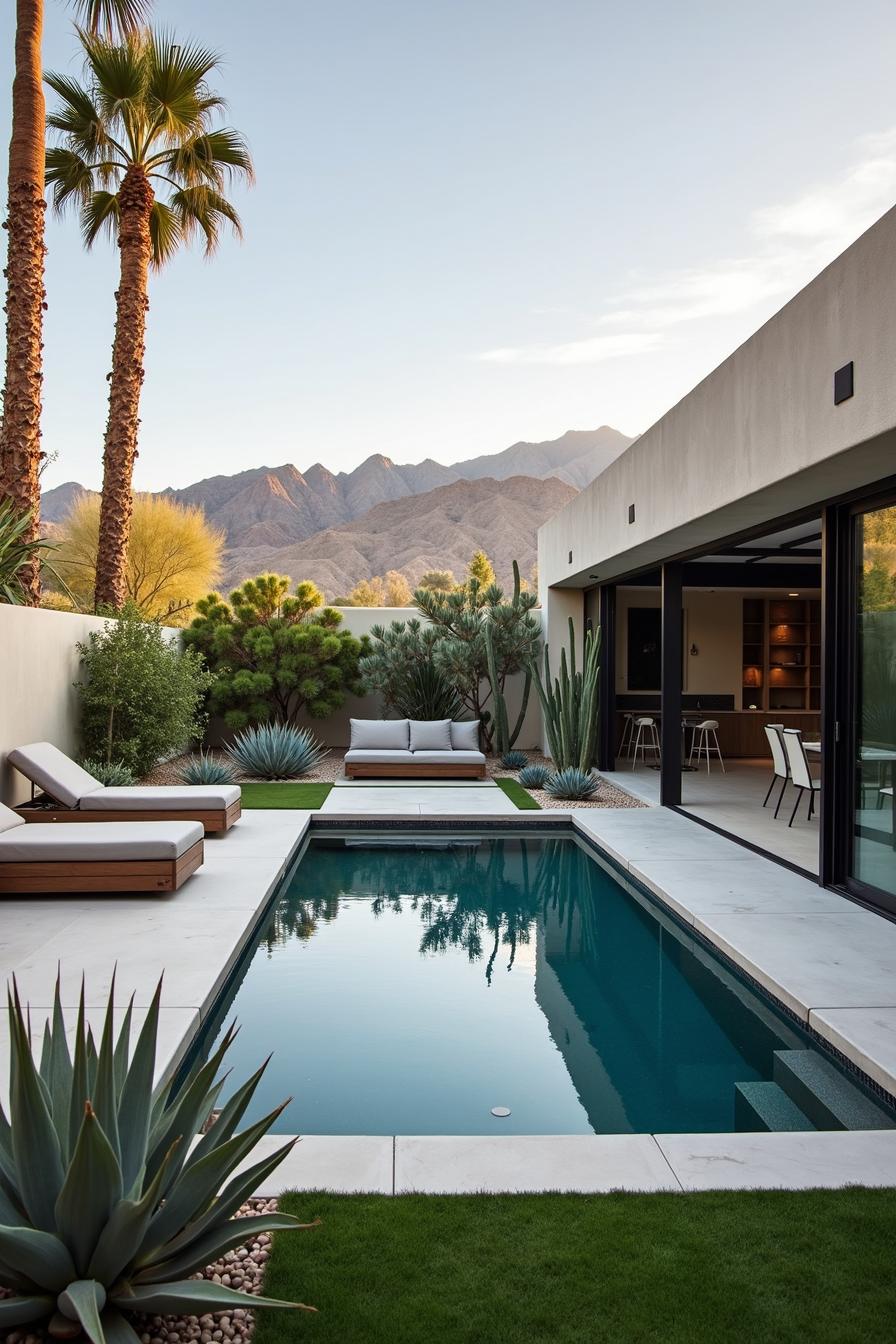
{"x": 284, "y": 794}
{"x": 758, "y": 1267}
{"x": 517, "y": 794}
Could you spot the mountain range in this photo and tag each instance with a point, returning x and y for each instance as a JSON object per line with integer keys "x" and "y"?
{"x": 362, "y": 521}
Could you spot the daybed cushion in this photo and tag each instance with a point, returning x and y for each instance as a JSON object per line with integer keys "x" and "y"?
{"x": 449, "y": 757}
{"x": 54, "y": 772}
{"x": 465, "y": 736}
{"x": 379, "y": 735}
{"x": 430, "y": 734}
{"x": 378, "y": 757}
{"x": 206, "y": 797}
{"x": 8, "y": 818}
{"x": 96, "y": 842}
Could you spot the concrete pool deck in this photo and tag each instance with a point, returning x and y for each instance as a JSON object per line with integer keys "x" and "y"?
{"x": 829, "y": 961}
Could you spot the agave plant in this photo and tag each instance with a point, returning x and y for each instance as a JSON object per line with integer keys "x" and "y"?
{"x": 534, "y": 776}
{"x": 111, "y": 774}
{"x": 105, "y": 1207}
{"x": 514, "y": 760}
{"x": 276, "y": 751}
{"x": 205, "y": 769}
{"x": 572, "y": 783}
{"x": 17, "y": 550}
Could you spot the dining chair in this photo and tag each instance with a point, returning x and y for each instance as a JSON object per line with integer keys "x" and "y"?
{"x": 705, "y": 739}
{"x": 780, "y": 768}
{"x": 646, "y": 739}
{"x": 799, "y": 770}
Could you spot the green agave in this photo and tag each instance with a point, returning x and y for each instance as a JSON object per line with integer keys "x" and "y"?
{"x": 105, "y": 1207}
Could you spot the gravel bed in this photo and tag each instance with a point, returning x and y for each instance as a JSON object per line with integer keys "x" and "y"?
{"x": 242, "y": 1268}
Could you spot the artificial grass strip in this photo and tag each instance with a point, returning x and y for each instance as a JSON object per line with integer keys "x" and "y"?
{"x": 287, "y": 795}
{"x": 517, "y": 794}
{"x": 776, "y": 1267}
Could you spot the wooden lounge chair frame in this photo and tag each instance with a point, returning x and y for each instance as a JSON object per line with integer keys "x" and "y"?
{"x": 155, "y": 875}
{"x": 408, "y": 770}
{"x": 214, "y": 820}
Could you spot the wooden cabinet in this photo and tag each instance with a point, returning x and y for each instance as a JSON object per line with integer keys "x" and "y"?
{"x": 781, "y": 655}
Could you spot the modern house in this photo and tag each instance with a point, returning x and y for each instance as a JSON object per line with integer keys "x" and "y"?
{"x": 740, "y": 561}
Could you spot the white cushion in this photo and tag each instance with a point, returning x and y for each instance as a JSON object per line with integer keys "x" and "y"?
{"x": 465, "y": 736}
{"x": 457, "y": 757}
{"x": 378, "y": 757}
{"x": 54, "y": 772}
{"x": 97, "y": 841}
{"x": 430, "y": 734}
{"x": 175, "y": 797}
{"x": 379, "y": 735}
{"x": 9, "y": 819}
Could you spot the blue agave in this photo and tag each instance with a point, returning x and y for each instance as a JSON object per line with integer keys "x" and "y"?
{"x": 534, "y": 776}
{"x": 276, "y": 751}
{"x": 572, "y": 783}
{"x": 205, "y": 769}
{"x": 111, "y": 774}
{"x": 514, "y": 760}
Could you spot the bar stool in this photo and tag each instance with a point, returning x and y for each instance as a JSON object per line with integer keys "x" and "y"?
{"x": 628, "y": 734}
{"x": 706, "y": 739}
{"x": 646, "y": 738}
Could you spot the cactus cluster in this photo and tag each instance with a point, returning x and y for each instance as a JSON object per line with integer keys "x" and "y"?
{"x": 569, "y": 703}
{"x": 504, "y": 736}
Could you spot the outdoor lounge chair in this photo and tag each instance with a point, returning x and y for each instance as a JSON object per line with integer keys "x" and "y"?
{"x": 71, "y": 794}
{"x": 129, "y": 856}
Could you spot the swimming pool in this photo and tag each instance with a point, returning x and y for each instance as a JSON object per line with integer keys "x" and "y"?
{"x": 414, "y": 985}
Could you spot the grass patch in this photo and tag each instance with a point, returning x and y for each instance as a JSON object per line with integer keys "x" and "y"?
{"x": 517, "y": 794}
{"x": 769, "y": 1266}
{"x": 285, "y": 794}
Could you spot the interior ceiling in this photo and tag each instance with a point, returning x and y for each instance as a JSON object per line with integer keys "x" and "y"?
{"x": 800, "y": 545}
{"x": 773, "y": 562}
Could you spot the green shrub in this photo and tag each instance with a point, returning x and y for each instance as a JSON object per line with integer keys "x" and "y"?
{"x": 534, "y": 776}
{"x": 140, "y": 696}
{"x": 276, "y": 751}
{"x": 111, "y": 774}
{"x": 106, "y": 1207}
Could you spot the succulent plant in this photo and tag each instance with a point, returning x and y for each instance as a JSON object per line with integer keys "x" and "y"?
{"x": 105, "y": 1207}
{"x": 569, "y": 702}
{"x": 275, "y": 751}
{"x": 111, "y": 774}
{"x": 205, "y": 769}
{"x": 572, "y": 783}
{"x": 534, "y": 776}
{"x": 514, "y": 760}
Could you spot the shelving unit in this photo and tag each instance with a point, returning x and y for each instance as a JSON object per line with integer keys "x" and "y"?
{"x": 781, "y": 654}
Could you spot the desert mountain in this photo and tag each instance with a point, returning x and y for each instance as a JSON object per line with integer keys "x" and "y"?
{"x": 438, "y": 529}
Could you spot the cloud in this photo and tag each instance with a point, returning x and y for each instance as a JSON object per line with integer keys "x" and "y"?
{"x": 793, "y": 241}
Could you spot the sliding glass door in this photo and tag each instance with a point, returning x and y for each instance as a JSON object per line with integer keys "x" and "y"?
{"x": 873, "y": 735}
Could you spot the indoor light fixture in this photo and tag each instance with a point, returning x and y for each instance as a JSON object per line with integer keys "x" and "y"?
{"x": 793, "y": 594}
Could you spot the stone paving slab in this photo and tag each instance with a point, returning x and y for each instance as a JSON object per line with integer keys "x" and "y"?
{"x": 785, "y": 1161}
{"x": 342, "y": 1163}
{"x": 589, "y": 1163}
{"x": 865, "y": 1035}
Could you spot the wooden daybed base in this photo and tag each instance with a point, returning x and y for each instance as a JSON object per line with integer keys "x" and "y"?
{"x": 403, "y": 770}
{"x": 214, "y": 821}
{"x": 98, "y": 875}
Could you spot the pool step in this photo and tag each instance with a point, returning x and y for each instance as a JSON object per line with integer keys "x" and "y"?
{"x": 829, "y": 1099}
{"x": 761, "y": 1106}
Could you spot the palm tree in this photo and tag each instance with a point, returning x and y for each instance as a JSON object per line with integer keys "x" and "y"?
{"x": 20, "y": 453}
{"x": 144, "y": 117}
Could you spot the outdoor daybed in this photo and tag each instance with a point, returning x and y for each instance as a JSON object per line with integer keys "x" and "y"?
{"x": 129, "y": 856}
{"x": 414, "y": 749}
{"x": 71, "y": 794}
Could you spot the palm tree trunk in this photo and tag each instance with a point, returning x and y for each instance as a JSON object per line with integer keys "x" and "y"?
{"x": 135, "y": 205}
{"x": 20, "y": 452}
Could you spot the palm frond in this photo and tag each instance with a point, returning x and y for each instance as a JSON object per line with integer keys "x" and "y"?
{"x": 177, "y": 95}
{"x": 201, "y": 209}
{"x": 70, "y": 176}
{"x": 119, "y": 75}
{"x": 99, "y": 213}
{"x": 165, "y": 231}
{"x": 112, "y": 16}
{"x": 211, "y": 158}
{"x": 78, "y": 118}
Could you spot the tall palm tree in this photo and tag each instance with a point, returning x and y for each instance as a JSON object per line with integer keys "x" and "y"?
{"x": 143, "y": 119}
{"x": 20, "y": 453}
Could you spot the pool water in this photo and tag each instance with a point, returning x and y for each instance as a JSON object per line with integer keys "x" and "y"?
{"x": 410, "y": 986}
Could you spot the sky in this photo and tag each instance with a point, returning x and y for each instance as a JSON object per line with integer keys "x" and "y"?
{"x": 477, "y": 221}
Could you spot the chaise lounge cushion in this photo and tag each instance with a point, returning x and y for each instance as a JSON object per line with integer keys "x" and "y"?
{"x": 201, "y": 797}
{"x": 8, "y": 818}
{"x": 430, "y": 734}
{"x": 97, "y": 842}
{"x": 448, "y": 758}
{"x": 54, "y": 772}
{"x": 465, "y": 736}
{"x": 379, "y": 735}
{"x": 378, "y": 757}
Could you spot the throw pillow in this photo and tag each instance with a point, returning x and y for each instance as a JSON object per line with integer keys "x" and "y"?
{"x": 430, "y": 734}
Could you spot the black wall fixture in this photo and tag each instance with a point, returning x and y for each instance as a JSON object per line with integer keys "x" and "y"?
{"x": 631, "y": 513}
{"x": 843, "y": 383}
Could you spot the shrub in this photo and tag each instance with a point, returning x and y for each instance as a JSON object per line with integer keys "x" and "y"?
{"x": 18, "y": 549}
{"x": 276, "y": 751}
{"x": 274, "y": 655}
{"x": 514, "y": 760}
{"x": 572, "y": 783}
{"x": 111, "y": 774}
{"x": 205, "y": 769}
{"x": 534, "y": 776}
{"x": 140, "y": 696}
{"x": 107, "y": 1207}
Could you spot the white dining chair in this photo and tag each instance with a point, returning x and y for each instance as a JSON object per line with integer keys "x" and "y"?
{"x": 780, "y": 768}
{"x": 646, "y": 739}
{"x": 799, "y": 770}
{"x": 704, "y": 740}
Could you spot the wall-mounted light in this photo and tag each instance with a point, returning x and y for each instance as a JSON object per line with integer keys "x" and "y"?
{"x": 694, "y": 650}
{"x": 793, "y": 594}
